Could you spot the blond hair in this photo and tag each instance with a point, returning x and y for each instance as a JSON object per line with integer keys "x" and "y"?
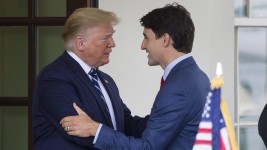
{"x": 82, "y": 19}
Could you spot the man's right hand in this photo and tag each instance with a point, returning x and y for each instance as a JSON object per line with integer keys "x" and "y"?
{"x": 81, "y": 125}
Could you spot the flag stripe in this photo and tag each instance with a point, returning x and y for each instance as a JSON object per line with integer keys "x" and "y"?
{"x": 207, "y": 125}
{"x": 202, "y": 142}
{"x": 202, "y": 147}
{"x": 225, "y": 139}
{"x": 204, "y": 136}
{"x": 204, "y": 130}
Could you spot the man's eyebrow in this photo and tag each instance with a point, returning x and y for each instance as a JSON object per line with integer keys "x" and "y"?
{"x": 110, "y": 33}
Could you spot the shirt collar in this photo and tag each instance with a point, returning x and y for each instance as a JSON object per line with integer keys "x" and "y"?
{"x": 85, "y": 67}
{"x": 172, "y": 64}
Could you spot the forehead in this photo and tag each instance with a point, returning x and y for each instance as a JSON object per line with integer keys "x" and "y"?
{"x": 101, "y": 29}
{"x": 148, "y": 32}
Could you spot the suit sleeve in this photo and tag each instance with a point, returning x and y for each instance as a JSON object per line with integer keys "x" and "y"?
{"x": 134, "y": 126}
{"x": 56, "y": 96}
{"x": 166, "y": 121}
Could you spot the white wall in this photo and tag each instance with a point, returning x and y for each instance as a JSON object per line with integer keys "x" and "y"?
{"x": 214, "y": 42}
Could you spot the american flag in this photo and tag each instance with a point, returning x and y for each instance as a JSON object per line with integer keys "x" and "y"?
{"x": 212, "y": 133}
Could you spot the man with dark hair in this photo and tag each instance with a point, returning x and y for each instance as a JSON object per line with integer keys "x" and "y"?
{"x": 176, "y": 112}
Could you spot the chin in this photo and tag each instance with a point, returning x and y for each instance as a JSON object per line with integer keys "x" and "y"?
{"x": 104, "y": 63}
{"x": 152, "y": 64}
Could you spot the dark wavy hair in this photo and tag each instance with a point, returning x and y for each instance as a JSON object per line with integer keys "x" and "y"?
{"x": 175, "y": 20}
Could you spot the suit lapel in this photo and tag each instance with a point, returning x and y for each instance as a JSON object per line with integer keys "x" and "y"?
{"x": 79, "y": 72}
{"x": 114, "y": 102}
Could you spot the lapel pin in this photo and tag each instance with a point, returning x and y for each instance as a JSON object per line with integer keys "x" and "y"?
{"x": 106, "y": 81}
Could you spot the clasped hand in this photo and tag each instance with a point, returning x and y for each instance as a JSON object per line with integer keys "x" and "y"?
{"x": 81, "y": 125}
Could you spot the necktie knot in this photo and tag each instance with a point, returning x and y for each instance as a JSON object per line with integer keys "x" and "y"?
{"x": 93, "y": 73}
{"x": 94, "y": 79}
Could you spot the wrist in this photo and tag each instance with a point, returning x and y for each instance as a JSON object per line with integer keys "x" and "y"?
{"x": 95, "y": 128}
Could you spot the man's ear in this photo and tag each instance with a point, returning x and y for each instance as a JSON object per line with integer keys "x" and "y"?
{"x": 79, "y": 43}
{"x": 166, "y": 39}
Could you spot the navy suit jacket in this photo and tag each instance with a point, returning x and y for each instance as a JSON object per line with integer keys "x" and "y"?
{"x": 58, "y": 86}
{"x": 262, "y": 125}
{"x": 175, "y": 115}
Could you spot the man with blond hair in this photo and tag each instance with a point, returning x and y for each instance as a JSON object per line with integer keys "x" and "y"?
{"x": 74, "y": 77}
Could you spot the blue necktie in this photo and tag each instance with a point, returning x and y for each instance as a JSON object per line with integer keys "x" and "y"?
{"x": 94, "y": 76}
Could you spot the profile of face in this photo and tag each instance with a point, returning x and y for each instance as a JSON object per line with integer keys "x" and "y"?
{"x": 96, "y": 45}
{"x": 153, "y": 46}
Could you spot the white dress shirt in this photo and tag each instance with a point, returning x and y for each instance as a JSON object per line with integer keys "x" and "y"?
{"x": 87, "y": 69}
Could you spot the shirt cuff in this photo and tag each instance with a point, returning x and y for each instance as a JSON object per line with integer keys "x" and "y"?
{"x": 97, "y": 132}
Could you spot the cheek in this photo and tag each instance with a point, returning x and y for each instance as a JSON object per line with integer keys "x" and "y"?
{"x": 98, "y": 50}
{"x": 151, "y": 45}
{"x": 101, "y": 53}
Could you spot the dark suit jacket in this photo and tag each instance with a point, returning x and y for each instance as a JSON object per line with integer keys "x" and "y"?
{"x": 58, "y": 86}
{"x": 262, "y": 125}
{"x": 175, "y": 115}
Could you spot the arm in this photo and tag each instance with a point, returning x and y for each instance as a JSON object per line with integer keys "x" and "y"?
{"x": 165, "y": 123}
{"x": 134, "y": 126}
{"x": 56, "y": 93}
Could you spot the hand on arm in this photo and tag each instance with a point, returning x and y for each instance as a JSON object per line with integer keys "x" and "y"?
{"x": 81, "y": 125}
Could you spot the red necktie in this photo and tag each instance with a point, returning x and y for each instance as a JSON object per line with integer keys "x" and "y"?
{"x": 161, "y": 82}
